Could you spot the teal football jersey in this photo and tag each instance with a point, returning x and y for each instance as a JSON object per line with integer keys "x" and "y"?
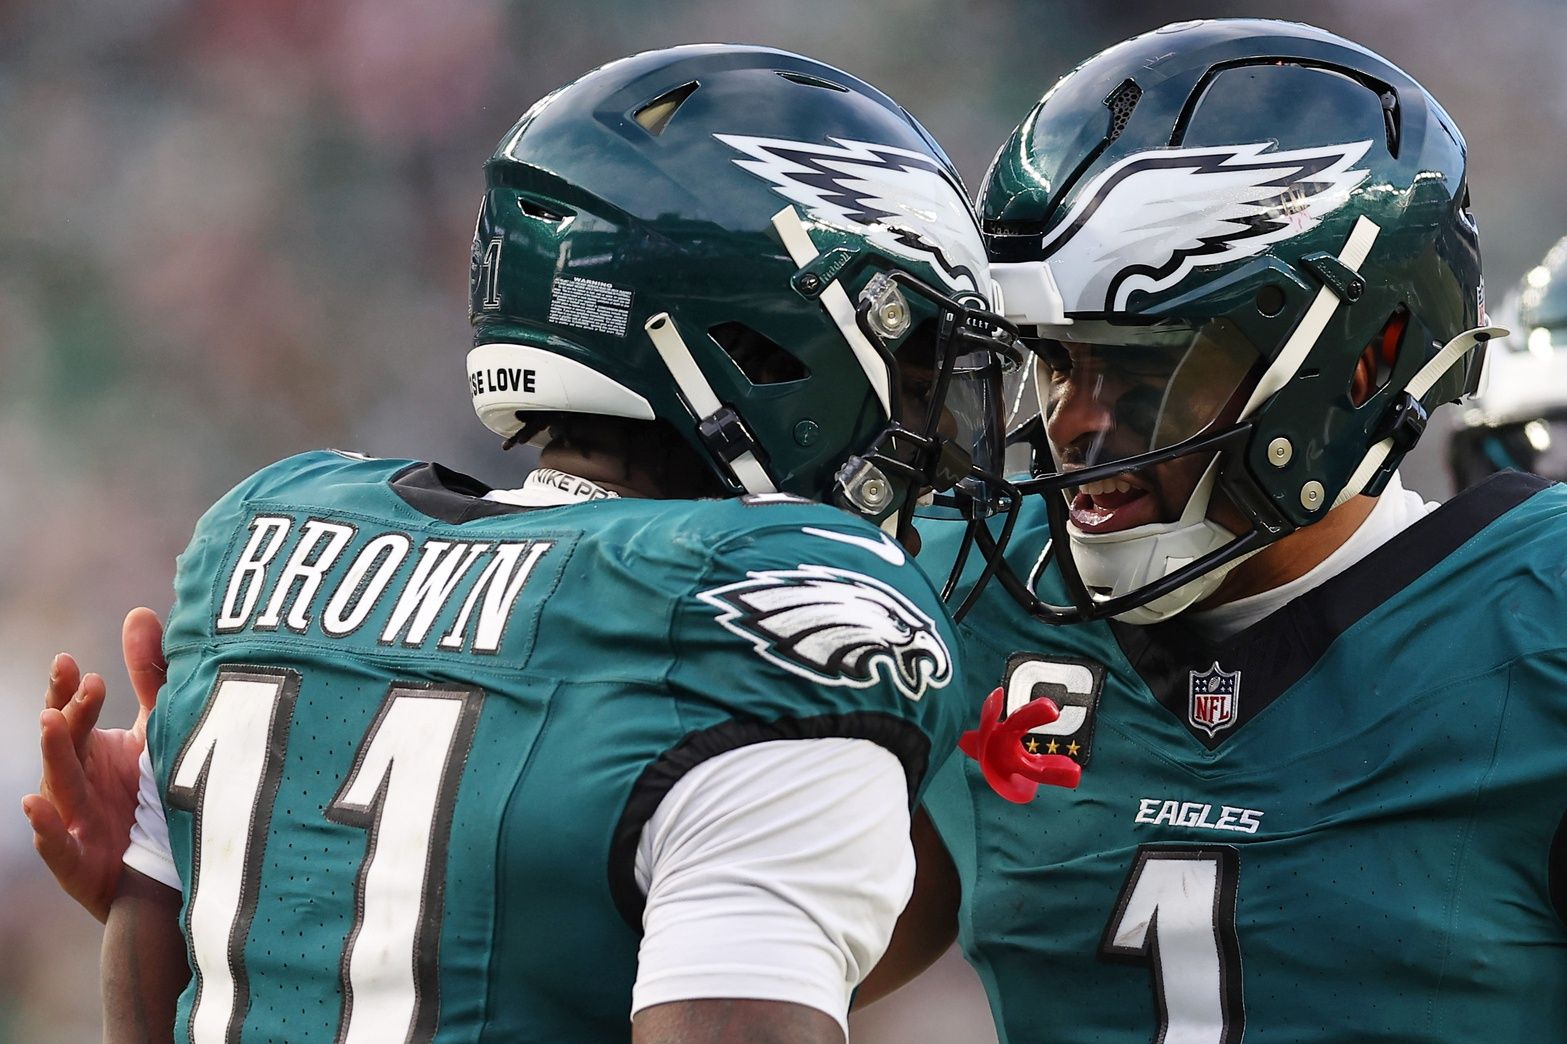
{"x": 1343, "y": 824}
{"x": 410, "y": 737}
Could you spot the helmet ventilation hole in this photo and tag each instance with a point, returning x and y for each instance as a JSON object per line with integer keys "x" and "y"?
{"x": 760, "y": 359}
{"x": 813, "y": 81}
{"x": 539, "y": 212}
{"x": 656, "y": 114}
{"x": 1121, "y": 102}
{"x": 1392, "y": 119}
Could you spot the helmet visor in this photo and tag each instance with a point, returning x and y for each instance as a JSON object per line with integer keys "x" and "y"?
{"x": 968, "y": 413}
{"x": 1110, "y": 391}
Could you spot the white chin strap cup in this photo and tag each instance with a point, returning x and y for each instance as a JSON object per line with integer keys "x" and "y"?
{"x": 1121, "y": 562}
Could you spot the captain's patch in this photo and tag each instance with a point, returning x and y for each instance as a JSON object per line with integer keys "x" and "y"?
{"x": 1073, "y": 685}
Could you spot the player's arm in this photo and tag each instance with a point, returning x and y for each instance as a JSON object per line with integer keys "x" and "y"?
{"x": 773, "y": 874}
{"x": 86, "y": 801}
{"x": 734, "y": 1022}
{"x": 927, "y": 926}
{"x": 144, "y": 966}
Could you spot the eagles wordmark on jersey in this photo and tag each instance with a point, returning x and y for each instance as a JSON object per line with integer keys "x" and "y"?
{"x": 410, "y": 736}
{"x": 1367, "y": 844}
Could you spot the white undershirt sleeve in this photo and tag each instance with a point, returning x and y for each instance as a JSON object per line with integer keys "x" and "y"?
{"x": 775, "y": 872}
{"x": 150, "y": 852}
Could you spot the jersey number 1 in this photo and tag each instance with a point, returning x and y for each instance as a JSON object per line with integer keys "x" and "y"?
{"x": 1176, "y": 912}
{"x": 400, "y": 790}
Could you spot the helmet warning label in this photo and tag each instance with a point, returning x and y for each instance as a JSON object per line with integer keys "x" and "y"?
{"x": 590, "y": 304}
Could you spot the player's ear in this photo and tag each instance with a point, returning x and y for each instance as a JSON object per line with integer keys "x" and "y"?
{"x": 1375, "y": 364}
{"x": 1363, "y": 383}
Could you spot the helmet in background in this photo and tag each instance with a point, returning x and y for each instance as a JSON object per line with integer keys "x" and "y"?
{"x": 1518, "y": 421}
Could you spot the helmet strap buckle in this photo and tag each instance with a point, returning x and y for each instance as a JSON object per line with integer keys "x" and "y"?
{"x": 727, "y": 437}
{"x": 821, "y": 271}
{"x": 1402, "y": 424}
{"x": 1343, "y": 280}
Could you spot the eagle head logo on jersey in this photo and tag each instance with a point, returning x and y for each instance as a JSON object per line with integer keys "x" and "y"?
{"x": 1147, "y": 221}
{"x": 835, "y": 627}
{"x": 899, "y": 199}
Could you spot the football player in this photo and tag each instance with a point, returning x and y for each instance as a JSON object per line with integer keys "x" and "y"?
{"x": 1519, "y": 419}
{"x": 1320, "y": 724}
{"x": 640, "y": 738}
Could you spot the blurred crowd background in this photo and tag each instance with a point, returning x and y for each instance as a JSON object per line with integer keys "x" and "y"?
{"x": 231, "y": 230}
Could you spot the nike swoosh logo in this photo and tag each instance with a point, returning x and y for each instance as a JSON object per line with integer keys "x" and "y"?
{"x": 884, "y": 548}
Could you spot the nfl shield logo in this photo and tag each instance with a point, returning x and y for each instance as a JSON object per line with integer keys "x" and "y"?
{"x": 1215, "y": 696}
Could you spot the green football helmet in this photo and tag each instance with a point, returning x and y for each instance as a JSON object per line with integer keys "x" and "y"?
{"x": 1518, "y": 419}
{"x": 1210, "y": 228}
{"x": 759, "y": 250}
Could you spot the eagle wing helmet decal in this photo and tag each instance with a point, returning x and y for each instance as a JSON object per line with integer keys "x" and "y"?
{"x": 902, "y": 200}
{"x": 835, "y": 627}
{"x": 1147, "y": 221}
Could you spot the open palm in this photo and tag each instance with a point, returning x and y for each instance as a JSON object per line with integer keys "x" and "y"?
{"x": 86, "y": 800}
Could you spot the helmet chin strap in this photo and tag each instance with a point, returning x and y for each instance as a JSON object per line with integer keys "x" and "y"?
{"x": 802, "y": 251}
{"x": 1418, "y": 385}
{"x": 1311, "y": 325}
{"x": 1133, "y": 558}
{"x": 700, "y": 397}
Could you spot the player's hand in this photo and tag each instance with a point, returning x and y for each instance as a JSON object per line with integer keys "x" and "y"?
{"x": 997, "y": 745}
{"x": 86, "y": 800}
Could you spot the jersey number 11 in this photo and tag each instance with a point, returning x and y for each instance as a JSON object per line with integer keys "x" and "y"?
{"x": 400, "y": 790}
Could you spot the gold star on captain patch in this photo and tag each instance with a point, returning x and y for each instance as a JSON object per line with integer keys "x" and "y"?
{"x": 1052, "y": 747}
{"x": 1033, "y": 745}
{"x": 1072, "y": 749}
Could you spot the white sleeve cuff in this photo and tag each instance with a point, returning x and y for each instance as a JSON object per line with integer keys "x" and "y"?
{"x": 150, "y": 852}
{"x": 775, "y": 872}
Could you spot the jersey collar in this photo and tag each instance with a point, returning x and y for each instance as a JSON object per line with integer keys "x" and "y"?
{"x": 1273, "y": 654}
{"x": 451, "y": 496}
{"x": 547, "y": 487}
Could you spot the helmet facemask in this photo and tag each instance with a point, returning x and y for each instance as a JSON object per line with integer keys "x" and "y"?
{"x": 1138, "y": 425}
{"x": 944, "y": 435}
{"x": 942, "y": 363}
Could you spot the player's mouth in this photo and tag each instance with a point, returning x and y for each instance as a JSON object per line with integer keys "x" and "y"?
{"x": 1110, "y": 505}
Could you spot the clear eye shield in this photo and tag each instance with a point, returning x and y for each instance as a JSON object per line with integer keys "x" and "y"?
{"x": 1133, "y": 421}
{"x": 1112, "y": 391}
{"x": 945, "y": 442}
{"x": 943, "y": 450}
